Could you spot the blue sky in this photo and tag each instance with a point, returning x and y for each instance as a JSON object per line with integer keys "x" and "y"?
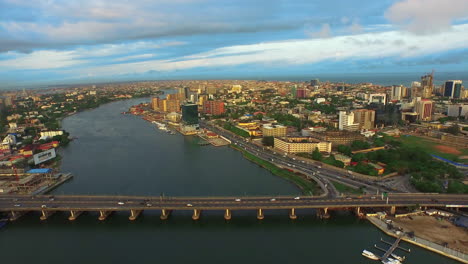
{"x": 66, "y": 41}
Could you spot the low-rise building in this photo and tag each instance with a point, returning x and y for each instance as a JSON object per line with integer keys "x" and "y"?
{"x": 343, "y": 158}
{"x": 301, "y": 145}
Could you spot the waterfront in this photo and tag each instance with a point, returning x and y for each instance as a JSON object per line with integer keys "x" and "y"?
{"x": 123, "y": 154}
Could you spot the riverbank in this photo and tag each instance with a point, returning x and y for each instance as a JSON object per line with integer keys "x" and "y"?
{"x": 307, "y": 187}
{"x": 459, "y": 256}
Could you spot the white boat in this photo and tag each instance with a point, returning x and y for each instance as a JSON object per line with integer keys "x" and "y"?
{"x": 369, "y": 255}
{"x": 391, "y": 261}
{"x": 401, "y": 259}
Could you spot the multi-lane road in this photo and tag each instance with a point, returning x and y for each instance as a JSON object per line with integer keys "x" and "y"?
{"x": 323, "y": 175}
{"x": 124, "y": 203}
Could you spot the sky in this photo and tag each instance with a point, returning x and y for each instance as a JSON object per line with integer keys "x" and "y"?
{"x": 45, "y": 42}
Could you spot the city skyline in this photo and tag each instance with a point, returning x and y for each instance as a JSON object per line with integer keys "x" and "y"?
{"x": 64, "y": 42}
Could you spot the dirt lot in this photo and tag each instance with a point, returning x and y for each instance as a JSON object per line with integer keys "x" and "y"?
{"x": 438, "y": 231}
{"x": 447, "y": 149}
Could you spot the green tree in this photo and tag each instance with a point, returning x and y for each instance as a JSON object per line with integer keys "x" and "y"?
{"x": 359, "y": 144}
{"x": 316, "y": 155}
{"x": 344, "y": 149}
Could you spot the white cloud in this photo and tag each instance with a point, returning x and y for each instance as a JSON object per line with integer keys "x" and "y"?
{"x": 427, "y": 16}
{"x": 380, "y": 45}
{"x": 134, "y": 57}
{"x": 41, "y": 60}
{"x": 306, "y": 51}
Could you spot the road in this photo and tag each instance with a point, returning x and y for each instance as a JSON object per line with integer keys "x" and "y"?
{"x": 310, "y": 168}
{"x": 125, "y": 203}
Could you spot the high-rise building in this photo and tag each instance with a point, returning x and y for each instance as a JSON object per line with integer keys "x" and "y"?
{"x": 301, "y": 93}
{"x": 213, "y": 107}
{"x": 427, "y": 85}
{"x": 155, "y": 103}
{"x": 397, "y": 92}
{"x": 171, "y": 106}
{"x": 453, "y": 89}
{"x": 346, "y": 121}
{"x": 315, "y": 82}
{"x": 424, "y": 109}
{"x": 379, "y": 98}
{"x": 365, "y": 118}
{"x": 190, "y": 114}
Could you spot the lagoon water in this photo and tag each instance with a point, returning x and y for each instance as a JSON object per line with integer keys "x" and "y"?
{"x": 123, "y": 154}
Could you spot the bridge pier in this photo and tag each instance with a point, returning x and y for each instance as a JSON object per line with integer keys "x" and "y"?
{"x": 165, "y": 214}
{"x": 134, "y": 214}
{"x": 227, "y": 214}
{"x": 292, "y": 214}
{"x": 196, "y": 214}
{"x": 260, "y": 215}
{"x": 392, "y": 210}
{"x": 14, "y": 215}
{"x": 74, "y": 215}
{"x": 103, "y": 215}
{"x": 46, "y": 214}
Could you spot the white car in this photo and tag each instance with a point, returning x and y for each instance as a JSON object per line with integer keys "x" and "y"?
{"x": 297, "y": 198}
{"x": 238, "y": 200}
{"x": 272, "y": 199}
{"x": 17, "y": 205}
{"x": 189, "y": 205}
{"x": 43, "y": 206}
{"x": 120, "y": 203}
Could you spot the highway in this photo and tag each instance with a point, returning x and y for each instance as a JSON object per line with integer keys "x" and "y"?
{"x": 10, "y": 203}
{"x": 309, "y": 168}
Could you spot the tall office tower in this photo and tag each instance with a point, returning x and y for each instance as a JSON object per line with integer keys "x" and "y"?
{"x": 314, "y": 82}
{"x": 453, "y": 89}
{"x": 346, "y": 121}
{"x": 424, "y": 109}
{"x": 190, "y": 114}
{"x": 213, "y": 107}
{"x": 155, "y": 101}
{"x": 365, "y": 118}
{"x": 397, "y": 92}
{"x": 427, "y": 85}
{"x": 171, "y": 106}
{"x": 301, "y": 93}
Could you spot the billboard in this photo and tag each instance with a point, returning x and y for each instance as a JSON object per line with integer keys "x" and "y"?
{"x": 44, "y": 156}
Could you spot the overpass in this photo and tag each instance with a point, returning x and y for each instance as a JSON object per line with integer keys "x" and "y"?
{"x": 16, "y": 205}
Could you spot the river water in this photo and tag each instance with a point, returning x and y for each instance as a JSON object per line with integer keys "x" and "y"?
{"x": 123, "y": 154}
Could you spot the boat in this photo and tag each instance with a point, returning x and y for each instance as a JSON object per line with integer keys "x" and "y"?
{"x": 401, "y": 259}
{"x": 391, "y": 261}
{"x": 369, "y": 255}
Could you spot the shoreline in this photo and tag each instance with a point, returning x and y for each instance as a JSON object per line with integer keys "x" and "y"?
{"x": 428, "y": 245}
{"x": 303, "y": 184}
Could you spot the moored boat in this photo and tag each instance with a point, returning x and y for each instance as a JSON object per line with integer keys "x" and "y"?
{"x": 369, "y": 255}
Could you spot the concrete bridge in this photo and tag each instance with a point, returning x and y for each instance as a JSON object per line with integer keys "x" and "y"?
{"x": 17, "y": 205}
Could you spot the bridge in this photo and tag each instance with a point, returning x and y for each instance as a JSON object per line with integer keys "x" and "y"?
{"x": 17, "y": 205}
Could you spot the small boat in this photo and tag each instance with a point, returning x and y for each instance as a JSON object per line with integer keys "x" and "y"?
{"x": 401, "y": 259}
{"x": 391, "y": 261}
{"x": 369, "y": 255}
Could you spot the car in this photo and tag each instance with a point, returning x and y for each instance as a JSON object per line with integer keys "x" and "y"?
{"x": 303, "y": 161}
{"x": 272, "y": 199}
{"x": 120, "y": 203}
{"x": 52, "y": 199}
{"x": 43, "y": 206}
{"x": 189, "y": 205}
{"x": 373, "y": 197}
{"x": 349, "y": 198}
{"x": 148, "y": 204}
{"x": 238, "y": 200}
{"x": 17, "y": 205}
{"x": 297, "y": 198}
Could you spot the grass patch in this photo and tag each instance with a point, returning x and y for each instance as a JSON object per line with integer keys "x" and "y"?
{"x": 429, "y": 147}
{"x": 307, "y": 187}
{"x": 346, "y": 189}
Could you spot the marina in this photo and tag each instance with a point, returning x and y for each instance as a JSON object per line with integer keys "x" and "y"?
{"x": 388, "y": 257}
